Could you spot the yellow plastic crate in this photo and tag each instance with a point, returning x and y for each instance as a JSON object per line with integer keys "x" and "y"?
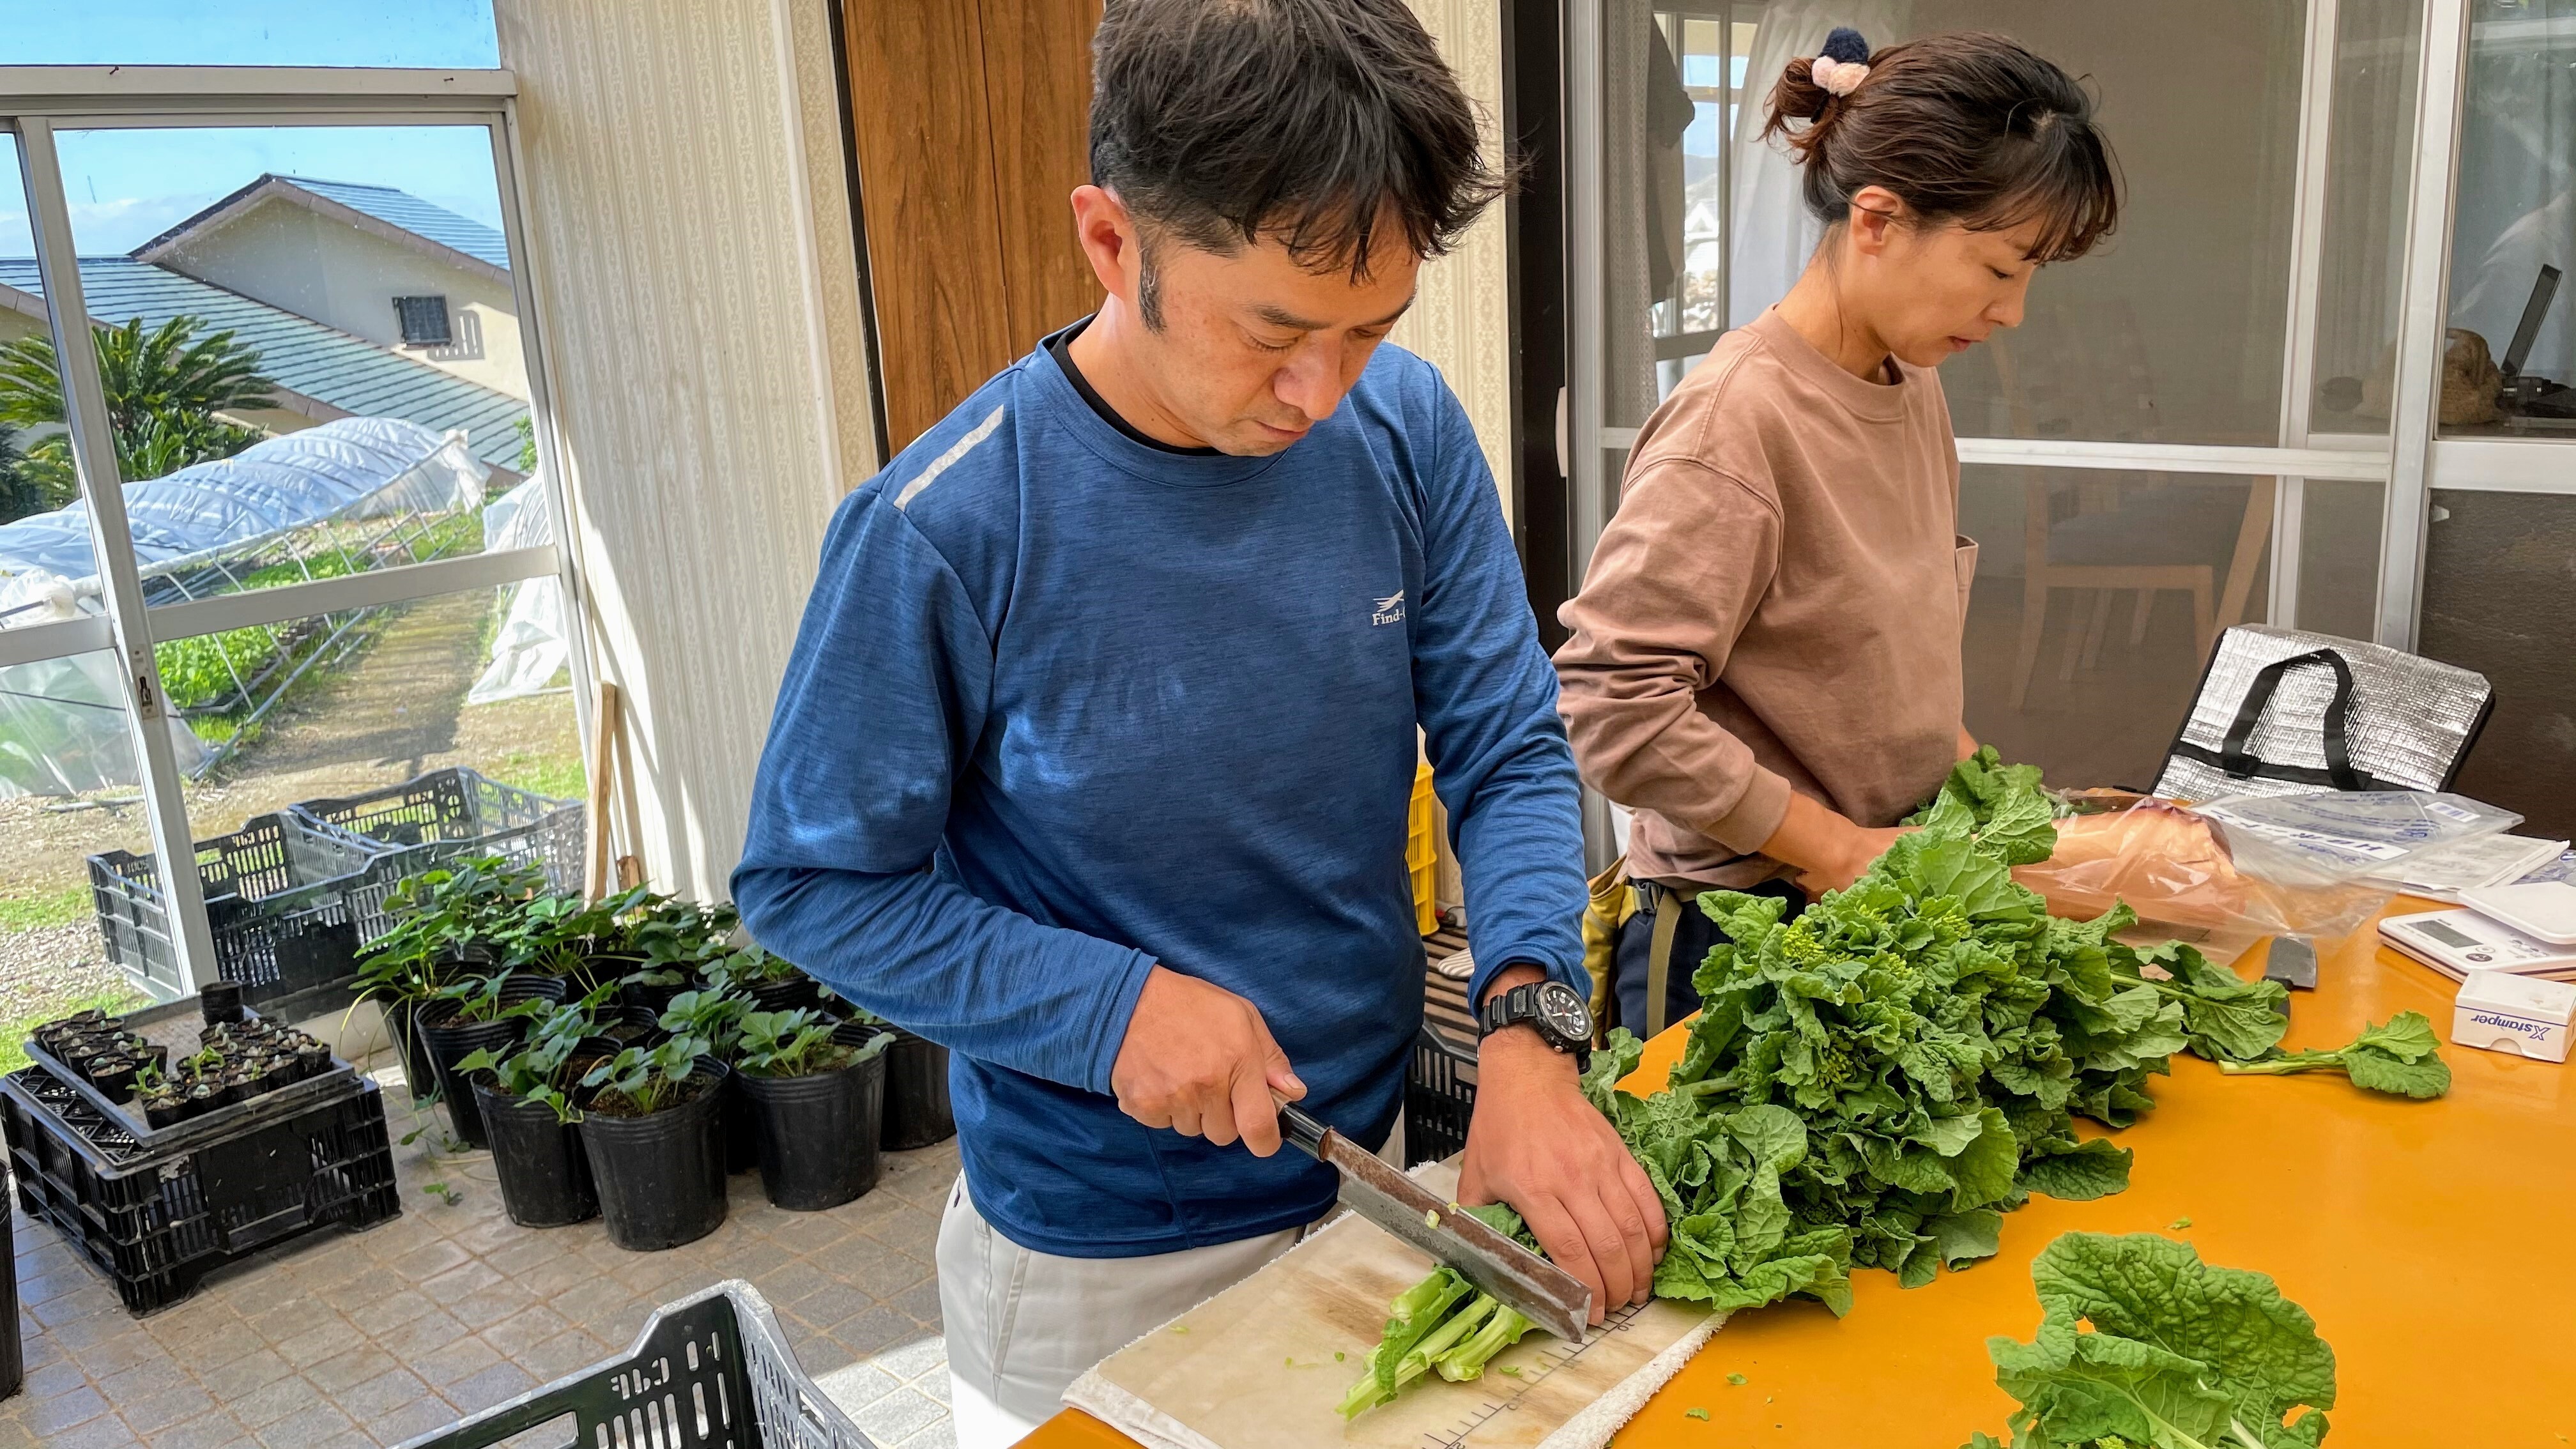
{"x": 1422, "y": 851}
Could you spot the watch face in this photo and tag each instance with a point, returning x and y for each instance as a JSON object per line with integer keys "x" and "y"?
{"x": 1563, "y": 1013}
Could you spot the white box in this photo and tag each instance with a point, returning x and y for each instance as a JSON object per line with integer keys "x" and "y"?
{"x": 2505, "y": 1013}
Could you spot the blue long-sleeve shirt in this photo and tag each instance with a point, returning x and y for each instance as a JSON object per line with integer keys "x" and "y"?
{"x": 1065, "y": 705}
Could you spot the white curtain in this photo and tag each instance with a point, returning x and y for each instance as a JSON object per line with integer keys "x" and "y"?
{"x": 529, "y": 649}
{"x": 1774, "y": 235}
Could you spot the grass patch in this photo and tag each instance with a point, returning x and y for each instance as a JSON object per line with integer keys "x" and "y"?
{"x": 13, "y": 1033}
{"x": 559, "y": 776}
{"x": 46, "y": 909}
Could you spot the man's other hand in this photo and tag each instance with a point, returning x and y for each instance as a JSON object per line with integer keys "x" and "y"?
{"x": 1536, "y": 1143}
{"x": 1199, "y": 1060}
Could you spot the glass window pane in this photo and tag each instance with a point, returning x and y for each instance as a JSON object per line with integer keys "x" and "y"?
{"x": 40, "y": 543}
{"x": 68, "y": 791}
{"x": 343, "y": 704}
{"x": 2496, "y": 601}
{"x": 2369, "y": 163}
{"x": 310, "y": 343}
{"x": 2511, "y": 352}
{"x": 2171, "y": 333}
{"x": 272, "y": 32}
{"x": 2097, "y": 593}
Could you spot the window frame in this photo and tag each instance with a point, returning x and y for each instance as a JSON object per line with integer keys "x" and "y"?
{"x": 36, "y": 102}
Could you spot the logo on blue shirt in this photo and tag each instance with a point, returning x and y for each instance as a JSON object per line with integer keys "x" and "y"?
{"x": 1390, "y": 610}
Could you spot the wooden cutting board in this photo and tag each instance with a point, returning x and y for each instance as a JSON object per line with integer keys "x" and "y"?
{"x": 1255, "y": 1366}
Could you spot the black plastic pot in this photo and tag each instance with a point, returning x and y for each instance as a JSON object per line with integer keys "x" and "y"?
{"x": 660, "y": 1178}
{"x": 402, "y": 1023}
{"x": 545, "y": 1177}
{"x": 818, "y": 1133}
{"x": 451, "y": 1041}
{"x": 652, "y": 998}
{"x": 220, "y": 1001}
{"x": 741, "y": 1129}
{"x": 916, "y": 1092}
{"x": 796, "y": 993}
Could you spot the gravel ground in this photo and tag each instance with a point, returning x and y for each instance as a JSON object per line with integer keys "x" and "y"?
{"x": 53, "y": 967}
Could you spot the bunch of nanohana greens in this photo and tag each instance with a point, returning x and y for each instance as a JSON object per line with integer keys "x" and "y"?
{"x": 1876, "y": 1083}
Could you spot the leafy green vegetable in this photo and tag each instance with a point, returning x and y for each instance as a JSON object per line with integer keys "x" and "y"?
{"x": 2402, "y": 1058}
{"x": 1699, "y": 1414}
{"x": 2225, "y": 1017}
{"x": 1736, "y": 1379}
{"x": 2143, "y": 1346}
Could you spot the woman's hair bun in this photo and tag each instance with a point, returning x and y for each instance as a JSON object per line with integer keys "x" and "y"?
{"x": 1801, "y": 95}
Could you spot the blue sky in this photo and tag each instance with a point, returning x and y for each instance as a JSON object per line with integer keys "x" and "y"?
{"x": 126, "y": 187}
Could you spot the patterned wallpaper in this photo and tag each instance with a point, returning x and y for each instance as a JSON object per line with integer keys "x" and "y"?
{"x": 689, "y": 232}
{"x": 1461, "y": 320}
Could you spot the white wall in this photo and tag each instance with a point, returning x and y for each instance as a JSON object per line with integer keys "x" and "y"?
{"x": 294, "y": 258}
{"x": 698, "y": 299}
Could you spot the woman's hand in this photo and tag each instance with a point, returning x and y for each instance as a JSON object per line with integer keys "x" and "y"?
{"x": 1829, "y": 851}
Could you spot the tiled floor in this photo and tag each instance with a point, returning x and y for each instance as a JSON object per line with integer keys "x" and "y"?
{"x": 370, "y": 1338}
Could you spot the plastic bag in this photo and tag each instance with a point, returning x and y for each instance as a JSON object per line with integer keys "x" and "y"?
{"x": 2229, "y": 872}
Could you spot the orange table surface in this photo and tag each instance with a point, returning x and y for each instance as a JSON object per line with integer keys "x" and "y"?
{"x": 2430, "y": 1240}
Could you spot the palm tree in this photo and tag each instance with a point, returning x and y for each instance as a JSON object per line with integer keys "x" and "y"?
{"x": 20, "y": 495}
{"x": 164, "y": 388}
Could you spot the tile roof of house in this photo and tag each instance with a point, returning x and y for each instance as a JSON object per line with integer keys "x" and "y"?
{"x": 347, "y": 375}
{"x": 402, "y": 217}
{"x": 402, "y": 209}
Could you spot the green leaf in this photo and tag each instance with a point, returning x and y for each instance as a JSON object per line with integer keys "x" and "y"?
{"x": 2095, "y": 1169}
{"x": 2174, "y": 1347}
{"x": 2402, "y": 1058}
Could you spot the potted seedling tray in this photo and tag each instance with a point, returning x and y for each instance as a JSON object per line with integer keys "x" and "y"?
{"x": 175, "y": 1026}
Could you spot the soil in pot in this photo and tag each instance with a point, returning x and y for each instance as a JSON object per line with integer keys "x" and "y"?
{"x": 817, "y": 1133}
{"x": 660, "y": 1177}
{"x": 544, "y": 1175}
{"x": 450, "y": 1041}
{"x": 916, "y": 1091}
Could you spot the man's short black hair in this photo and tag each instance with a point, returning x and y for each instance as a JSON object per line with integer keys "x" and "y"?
{"x": 1312, "y": 122}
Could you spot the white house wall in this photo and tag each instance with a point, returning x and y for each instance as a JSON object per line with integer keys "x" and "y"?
{"x": 688, "y": 231}
{"x": 300, "y": 261}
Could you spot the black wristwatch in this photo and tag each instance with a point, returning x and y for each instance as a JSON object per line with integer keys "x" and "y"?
{"x": 1553, "y": 1008}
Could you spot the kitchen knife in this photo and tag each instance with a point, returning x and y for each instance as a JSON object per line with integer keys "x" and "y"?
{"x": 1521, "y": 1280}
{"x": 2292, "y": 961}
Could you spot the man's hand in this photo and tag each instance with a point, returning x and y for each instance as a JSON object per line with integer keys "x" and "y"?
{"x": 1199, "y": 1060}
{"x": 1537, "y": 1144}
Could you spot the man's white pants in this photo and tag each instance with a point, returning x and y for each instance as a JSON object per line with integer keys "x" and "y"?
{"x": 1022, "y": 1326}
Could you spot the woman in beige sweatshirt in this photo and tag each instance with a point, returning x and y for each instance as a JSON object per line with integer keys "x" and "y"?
{"x": 1765, "y": 660}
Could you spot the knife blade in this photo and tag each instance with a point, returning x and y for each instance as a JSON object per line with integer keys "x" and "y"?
{"x": 2292, "y": 961}
{"x": 1521, "y": 1280}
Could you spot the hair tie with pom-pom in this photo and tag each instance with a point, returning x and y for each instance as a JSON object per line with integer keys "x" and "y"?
{"x": 1843, "y": 64}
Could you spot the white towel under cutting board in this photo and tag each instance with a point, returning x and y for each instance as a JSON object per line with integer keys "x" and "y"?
{"x": 1253, "y": 1367}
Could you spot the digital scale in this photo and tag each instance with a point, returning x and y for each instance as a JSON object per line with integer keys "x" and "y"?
{"x": 2456, "y": 943}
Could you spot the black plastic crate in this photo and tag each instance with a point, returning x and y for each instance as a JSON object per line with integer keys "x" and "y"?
{"x": 278, "y": 901}
{"x": 447, "y": 815}
{"x": 156, "y": 1222}
{"x": 1439, "y": 1097}
{"x": 710, "y": 1370}
{"x": 119, "y": 1132}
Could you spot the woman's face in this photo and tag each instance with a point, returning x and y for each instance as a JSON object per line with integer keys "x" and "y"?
{"x": 1932, "y": 292}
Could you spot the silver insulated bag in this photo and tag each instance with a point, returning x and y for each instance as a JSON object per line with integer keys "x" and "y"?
{"x": 2283, "y": 712}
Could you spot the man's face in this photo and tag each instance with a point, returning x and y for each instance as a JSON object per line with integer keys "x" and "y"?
{"x": 1252, "y": 348}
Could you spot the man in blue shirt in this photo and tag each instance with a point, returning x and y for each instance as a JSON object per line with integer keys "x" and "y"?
{"x": 1093, "y": 756}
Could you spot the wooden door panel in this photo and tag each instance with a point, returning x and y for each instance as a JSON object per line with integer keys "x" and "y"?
{"x": 923, "y": 134}
{"x": 1037, "y": 72}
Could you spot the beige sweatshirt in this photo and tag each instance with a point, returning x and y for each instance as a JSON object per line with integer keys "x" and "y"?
{"x": 1777, "y": 605}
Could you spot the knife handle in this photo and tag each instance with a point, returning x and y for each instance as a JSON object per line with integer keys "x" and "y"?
{"x": 1299, "y": 1129}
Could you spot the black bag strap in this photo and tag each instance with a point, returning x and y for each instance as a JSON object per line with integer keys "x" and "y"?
{"x": 2238, "y": 763}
